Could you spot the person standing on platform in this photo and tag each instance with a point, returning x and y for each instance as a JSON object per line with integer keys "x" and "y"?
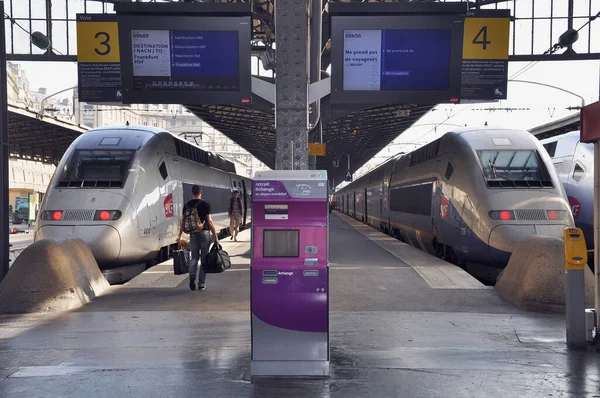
{"x": 199, "y": 238}
{"x": 235, "y": 212}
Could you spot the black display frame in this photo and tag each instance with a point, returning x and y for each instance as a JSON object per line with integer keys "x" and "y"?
{"x": 241, "y": 24}
{"x": 424, "y": 21}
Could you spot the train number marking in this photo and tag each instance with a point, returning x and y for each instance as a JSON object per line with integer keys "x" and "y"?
{"x": 146, "y": 231}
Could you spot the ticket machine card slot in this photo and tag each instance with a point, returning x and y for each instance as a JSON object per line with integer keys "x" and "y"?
{"x": 311, "y": 261}
{"x": 310, "y": 272}
{"x": 270, "y": 280}
{"x": 269, "y": 272}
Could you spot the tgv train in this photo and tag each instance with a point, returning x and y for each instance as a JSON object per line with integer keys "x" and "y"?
{"x": 122, "y": 191}
{"x": 574, "y": 163}
{"x": 469, "y": 197}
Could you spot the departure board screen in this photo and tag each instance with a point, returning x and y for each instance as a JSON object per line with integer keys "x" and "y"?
{"x": 185, "y": 60}
{"x": 405, "y": 59}
{"x": 397, "y": 60}
{"x": 190, "y": 60}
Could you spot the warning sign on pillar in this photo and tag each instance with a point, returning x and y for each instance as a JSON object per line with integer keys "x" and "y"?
{"x": 316, "y": 149}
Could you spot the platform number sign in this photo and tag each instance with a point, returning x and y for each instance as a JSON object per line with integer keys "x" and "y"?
{"x": 484, "y": 73}
{"x": 486, "y": 38}
{"x": 98, "y": 58}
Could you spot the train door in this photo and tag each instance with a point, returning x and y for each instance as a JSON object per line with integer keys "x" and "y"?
{"x": 244, "y": 201}
{"x": 366, "y": 206}
{"x": 176, "y": 190}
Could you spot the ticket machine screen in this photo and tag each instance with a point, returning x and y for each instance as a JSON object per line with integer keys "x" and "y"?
{"x": 281, "y": 243}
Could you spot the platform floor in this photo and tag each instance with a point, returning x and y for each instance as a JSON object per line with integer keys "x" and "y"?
{"x": 402, "y": 324}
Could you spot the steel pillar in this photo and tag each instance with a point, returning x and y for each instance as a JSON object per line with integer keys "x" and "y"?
{"x": 4, "y": 242}
{"x": 597, "y": 234}
{"x": 291, "y": 104}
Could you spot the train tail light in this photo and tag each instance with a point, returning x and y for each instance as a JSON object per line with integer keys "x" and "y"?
{"x": 107, "y": 215}
{"x": 557, "y": 214}
{"x": 52, "y": 215}
{"x": 504, "y": 215}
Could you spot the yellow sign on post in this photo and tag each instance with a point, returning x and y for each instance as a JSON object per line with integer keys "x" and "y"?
{"x": 97, "y": 42}
{"x": 486, "y": 38}
{"x": 98, "y": 58}
{"x": 317, "y": 149}
{"x": 575, "y": 249}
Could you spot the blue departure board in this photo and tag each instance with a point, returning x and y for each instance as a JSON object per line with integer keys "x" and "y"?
{"x": 185, "y": 60}
{"x": 397, "y": 60}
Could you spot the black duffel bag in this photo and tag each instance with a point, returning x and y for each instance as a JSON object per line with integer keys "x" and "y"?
{"x": 217, "y": 260}
{"x": 181, "y": 261}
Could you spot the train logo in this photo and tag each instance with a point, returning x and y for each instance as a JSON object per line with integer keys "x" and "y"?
{"x": 303, "y": 189}
{"x": 444, "y": 208}
{"x": 575, "y": 207}
{"x": 169, "y": 205}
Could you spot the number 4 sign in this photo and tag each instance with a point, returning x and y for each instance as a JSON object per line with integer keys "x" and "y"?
{"x": 486, "y": 38}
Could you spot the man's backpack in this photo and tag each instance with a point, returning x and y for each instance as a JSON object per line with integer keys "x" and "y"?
{"x": 191, "y": 221}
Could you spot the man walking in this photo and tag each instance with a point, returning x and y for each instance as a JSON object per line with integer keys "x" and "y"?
{"x": 197, "y": 220}
{"x": 235, "y": 214}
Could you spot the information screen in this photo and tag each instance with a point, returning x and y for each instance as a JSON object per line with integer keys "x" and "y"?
{"x": 412, "y": 59}
{"x": 185, "y": 60}
{"x": 395, "y": 60}
{"x": 281, "y": 243}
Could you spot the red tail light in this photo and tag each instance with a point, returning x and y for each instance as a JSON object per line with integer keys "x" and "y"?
{"x": 557, "y": 215}
{"x": 107, "y": 215}
{"x": 52, "y": 215}
{"x": 504, "y": 215}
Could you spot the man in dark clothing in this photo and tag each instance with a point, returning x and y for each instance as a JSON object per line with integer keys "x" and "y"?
{"x": 199, "y": 241}
{"x": 235, "y": 214}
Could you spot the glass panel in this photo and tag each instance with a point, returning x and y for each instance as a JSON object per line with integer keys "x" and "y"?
{"x": 523, "y": 43}
{"x": 511, "y": 165}
{"x": 72, "y": 38}
{"x": 38, "y": 8}
{"x": 20, "y": 9}
{"x": 542, "y": 35}
{"x": 75, "y": 7}
{"x": 59, "y": 9}
{"x": 542, "y": 8}
{"x": 21, "y": 38}
{"x": 581, "y": 8}
{"x": 59, "y": 37}
{"x": 93, "y": 7}
{"x": 8, "y": 38}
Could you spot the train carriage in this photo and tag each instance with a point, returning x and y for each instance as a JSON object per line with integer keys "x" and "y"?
{"x": 469, "y": 197}
{"x": 122, "y": 191}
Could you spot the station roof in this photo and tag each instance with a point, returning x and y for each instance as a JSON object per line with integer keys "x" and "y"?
{"x": 360, "y": 134}
{"x": 32, "y": 136}
{"x": 556, "y": 127}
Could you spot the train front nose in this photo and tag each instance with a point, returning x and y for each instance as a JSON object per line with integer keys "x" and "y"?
{"x": 103, "y": 240}
{"x": 513, "y": 216}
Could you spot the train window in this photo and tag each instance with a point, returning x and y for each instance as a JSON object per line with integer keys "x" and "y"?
{"x": 413, "y": 200}
{"x": 512, "y": 166}
{"x": 91, "y": 168}
{"x": 234, "y": 185}
{"x": 163, "y": 170}
{"x": 449, "y": 170}
{"x": 551, "y": 148}
{"x": 578, "y": 173}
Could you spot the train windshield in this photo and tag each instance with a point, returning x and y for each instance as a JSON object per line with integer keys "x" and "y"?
{"x": 512, "y": 165}
{"x": 91, "y": 167}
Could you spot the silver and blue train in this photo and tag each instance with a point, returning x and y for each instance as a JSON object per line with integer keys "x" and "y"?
{"x": 122, "y": 191}
{"x": 469, "y": 197}
{"x": 573, "y": 161}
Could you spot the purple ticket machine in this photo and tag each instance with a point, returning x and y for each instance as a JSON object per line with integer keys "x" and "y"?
{"x": 289, "y": 274}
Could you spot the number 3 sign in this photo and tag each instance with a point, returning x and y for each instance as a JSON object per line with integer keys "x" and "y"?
{"x": 97, "y": 41}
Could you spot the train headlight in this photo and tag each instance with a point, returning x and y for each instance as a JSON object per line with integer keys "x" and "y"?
{"x": 557, "y": 215}
{"x": 107, "y": 215}
{"x": 52, "y": 215}
{"x": 504, "y": 215}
